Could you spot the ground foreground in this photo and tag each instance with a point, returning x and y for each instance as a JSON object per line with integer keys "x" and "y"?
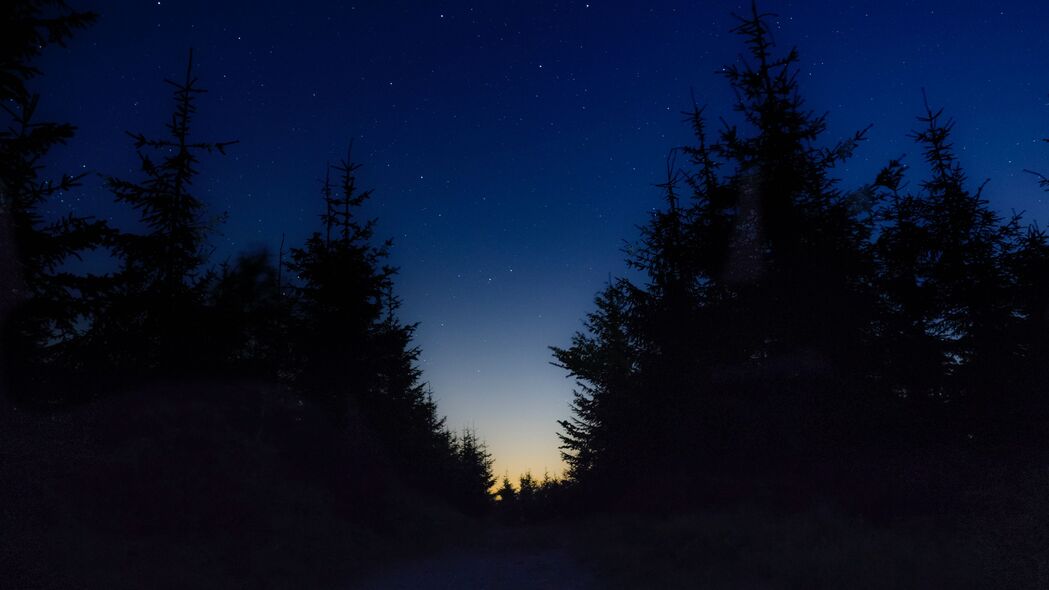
{"x": 741, "y": 548}
{"x": 508, "y": 562}
{"x": 201, "y": 485}
{"x": 176, "y": 489}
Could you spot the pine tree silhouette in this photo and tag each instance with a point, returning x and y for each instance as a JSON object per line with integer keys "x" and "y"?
{"x": 53, "y": 303}
{"x": 810, "y": 237}
{"x": 247, "y": 317}
{"x": 342, "y": 282}
{"x": 945, "y": 259}
{"x": 787, "y": 327}
{"x": 349, "y": 351}
{"x": 757, "y": 298}
{"x": 474, "y": 473}
{"x": 152, "y": 322}
{"x": 1028, "y": 371}
{"x": 603, "y": 362}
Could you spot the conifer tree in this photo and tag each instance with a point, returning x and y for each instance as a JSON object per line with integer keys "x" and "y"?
{"x": 910, "y": 360}
{"x": 506, "y": 492}
{"x": 473, "y": 475}
{"x": 351, "y": 353}
{"x": 758, "y": 290}
{"x": 342, "y": 281}
{"x": 527, "y": 488}
{"x": 946, "y": 257}
{"x": 400, "y": 407}
{"x": 808, "y": 236}
{"x": 53, "y": 302}
{"x": 1029, "y": 371}
{"x": 247, "y": 317}
{"x": 1030, "y": 267}
{"x": 28, "y": 27}
{"x": 603, "y": 362}
{"x": 152, "y": 322}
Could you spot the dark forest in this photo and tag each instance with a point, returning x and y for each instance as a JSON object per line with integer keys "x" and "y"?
{"x": 795, "y": 383}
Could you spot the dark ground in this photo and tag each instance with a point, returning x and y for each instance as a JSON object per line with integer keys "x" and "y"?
{"x": 232, "y": 485}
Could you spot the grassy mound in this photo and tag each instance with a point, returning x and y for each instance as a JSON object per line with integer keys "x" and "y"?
{"x": 200, "y": 485}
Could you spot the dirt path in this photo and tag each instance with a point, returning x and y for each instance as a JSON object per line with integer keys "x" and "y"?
{"x": 512, "y": 567}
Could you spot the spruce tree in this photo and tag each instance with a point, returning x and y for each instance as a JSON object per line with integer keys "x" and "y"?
{"x": 474, "y": 474}
{"x": 351, "y": 353}
{"x": 400, "y": 407}
{"x": 1030, "y": 267}
{"x": 154, "y": 319}
{"x": 1028, "y": 374}
{"x": 50, "y": 300}
{"x": 910, "y": 361}
{"x": 247, "y": 317}
{"x": 800, "y": 239}
{"x": 506, "y": 492}
{"x": 946, "y": 258}
{"x": 756, "y": 305}
{"x": 341, "y": 284}
{"x": 603, "y": 362}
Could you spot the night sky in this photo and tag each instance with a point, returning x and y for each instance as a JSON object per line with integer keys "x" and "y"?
{"x": 513, "y": 146}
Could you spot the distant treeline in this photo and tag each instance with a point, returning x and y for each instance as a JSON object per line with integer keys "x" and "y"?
{"x": 320, "y": 319}
{"x": 886, "y": 345}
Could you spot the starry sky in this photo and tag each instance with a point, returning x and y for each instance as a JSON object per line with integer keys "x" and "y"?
{"x": 513, "y": 146}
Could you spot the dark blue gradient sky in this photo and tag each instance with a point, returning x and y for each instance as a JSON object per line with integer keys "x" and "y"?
{"x": 513, "y": 146}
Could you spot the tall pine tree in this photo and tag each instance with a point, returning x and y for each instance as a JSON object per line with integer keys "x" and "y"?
{"x": 51, "y": 301}
{"x": 153, "y": 320}
{"x": 341, "y": 284}
{"x": 756, "y": 306}
{"x": 603, "y": 361}
{"x": 945, "y": 257}
{"x": 352, "y": 354}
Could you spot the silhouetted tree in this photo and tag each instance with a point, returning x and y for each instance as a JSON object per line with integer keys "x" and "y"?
{"x": 474, "y": 473}
{"x": 401, "y": 408}
{"x": 1028, "y": 374}
{"x": 154, "y": 318}
{"x": 506, "y": 492}
{"x": 946, "y": 280}
{"x": 758, "y": 297}
{"x": 53, "y": 301}
{"x": 603, "y": 362}
{"x": 798, "y": 261}
{"x": 788, "y": 331}
{"x": 527, "y": 487}
{"x": 28, "y": 27}
{"x": 342, "y": 281}
{"x": 247, "y": 317}
{"x": 1030, "y": 266}
{"x": 351, "y": 353}
{"x": 910, "y": 362}
{"x": 534, "y": 500}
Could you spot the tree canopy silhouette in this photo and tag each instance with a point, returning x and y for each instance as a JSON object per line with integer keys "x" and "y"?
{"x": 786, "y": 323}
{"x": 154, "y": 317}
{"x": 350, "y": 353}
{"x": 320, "y": 324}
{"x": 48, "y": 301}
